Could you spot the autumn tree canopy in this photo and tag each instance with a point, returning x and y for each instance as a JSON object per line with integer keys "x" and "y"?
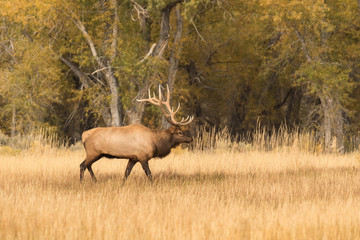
{"x": 73, "y": 65}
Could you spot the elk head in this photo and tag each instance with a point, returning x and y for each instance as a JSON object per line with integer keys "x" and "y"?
{"x": 179, "y": 135}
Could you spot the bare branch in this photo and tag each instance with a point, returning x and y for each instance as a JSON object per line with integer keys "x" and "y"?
{"x": 76, "y": 70}
{"x": 78, "y": 23}
{"x": 149, "y": 53}
{"x": 141, "y": 12}
{"x": 202, "y": 38}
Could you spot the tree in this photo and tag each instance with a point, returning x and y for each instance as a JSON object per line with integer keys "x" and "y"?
{"x": 313, "y": 29}
{"x": 232, "y": 63}
{"x": 31, "y": 88}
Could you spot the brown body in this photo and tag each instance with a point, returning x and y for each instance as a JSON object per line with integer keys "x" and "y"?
{"x": 135, "y": 142}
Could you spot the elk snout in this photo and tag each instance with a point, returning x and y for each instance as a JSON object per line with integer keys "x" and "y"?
{"x": 188, "y": 139}
{"x": 183, "y": 138}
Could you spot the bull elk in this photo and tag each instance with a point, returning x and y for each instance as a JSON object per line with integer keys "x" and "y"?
{"x": 135, "y": 142}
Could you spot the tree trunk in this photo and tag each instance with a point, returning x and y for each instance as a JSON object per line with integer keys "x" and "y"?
{"x": 13, "y": 121}
{"x": 176, "y": 49}
{"x": 174, "y": 57}
{"x": 164, "y": 33}
{"x": 146, "y": 29}
{"x": 294, "y": 111}
{"x": 115, "y": 31}
{"x": 105, "y": 65}
{"x": 105, "y": 113}
{"x": 333, "y": 125}
{"x": 135, "y": 114}
{"x": 115, "y": 102}
{"x": 339, "y": 129}
{"x": 326, "y": 124}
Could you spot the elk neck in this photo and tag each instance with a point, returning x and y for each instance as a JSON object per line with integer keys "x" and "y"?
{"x": 163, "y": 143}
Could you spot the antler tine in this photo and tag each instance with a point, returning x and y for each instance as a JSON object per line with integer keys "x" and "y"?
{"x": 154, "y": 98}
{"x": 169, "y": 113}
{"x": 177, "y": 108}
{"x": 186, "y": 122}
{"x": 151, "y": 100}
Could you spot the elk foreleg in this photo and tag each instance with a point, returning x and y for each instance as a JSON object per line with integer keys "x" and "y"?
{"x": 145, "y": 166}
{"x": 129, "y": 167}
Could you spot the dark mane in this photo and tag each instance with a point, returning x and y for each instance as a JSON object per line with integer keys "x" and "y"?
{"x": 163, "y": 144}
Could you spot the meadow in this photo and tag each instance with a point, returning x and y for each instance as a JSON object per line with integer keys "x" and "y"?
{"x": 225, "y": 192}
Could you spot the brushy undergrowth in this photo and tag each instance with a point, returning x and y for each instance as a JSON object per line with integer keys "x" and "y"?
{"x": 40, "y": 140}
{"x": 205, "y": 139}
{"x": 260, "y": 140}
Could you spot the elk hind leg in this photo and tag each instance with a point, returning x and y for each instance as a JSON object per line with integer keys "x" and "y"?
{"x": 86, "y": 164}
{"x": 82, "y": 170}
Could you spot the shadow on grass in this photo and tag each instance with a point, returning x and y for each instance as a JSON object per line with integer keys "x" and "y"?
{"x": 315, "y": 177}
{"x": 164, "y": 177}
{"x": 206, "y": 177}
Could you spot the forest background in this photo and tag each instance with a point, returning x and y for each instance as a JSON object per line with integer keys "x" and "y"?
{"x": 67, "y": 66}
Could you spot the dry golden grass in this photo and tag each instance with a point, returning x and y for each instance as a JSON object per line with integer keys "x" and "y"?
{"x": 285, "y": 194}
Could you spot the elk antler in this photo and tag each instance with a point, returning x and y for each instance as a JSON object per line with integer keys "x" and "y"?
{"x": 169, "y": 111}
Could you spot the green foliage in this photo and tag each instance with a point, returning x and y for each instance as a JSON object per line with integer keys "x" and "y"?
{"x": 325, "y": 79}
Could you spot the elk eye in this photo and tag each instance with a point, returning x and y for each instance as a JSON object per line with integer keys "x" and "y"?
{"x": 180, "y": 133}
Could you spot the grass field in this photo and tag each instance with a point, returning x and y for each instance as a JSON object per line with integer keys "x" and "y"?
{"x": 286, "y": 194}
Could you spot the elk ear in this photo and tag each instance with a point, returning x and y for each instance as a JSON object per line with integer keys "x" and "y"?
{"x": 172, "y": 129}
